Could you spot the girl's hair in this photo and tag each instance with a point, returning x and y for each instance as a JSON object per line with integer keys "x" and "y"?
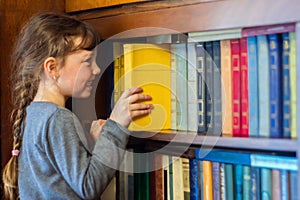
{"x": 45, "y": 35}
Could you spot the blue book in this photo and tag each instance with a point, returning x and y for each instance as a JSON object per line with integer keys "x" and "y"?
{"x": 246, "y": 183}
{"x": 223, "y": 156}
{"x": 194, "y": 189}
{"x": 171, "y": 191}
{"x": 209, "y": 85}
{"x": 284, "y": 186}
{"x": 248, "y": 159}
{"x": 255, "y": 183}
{"x": 217, "y": 97}
{"x": 266, "y": 184}
{"x": 201, "y": 89}
{"x": 275, "y": 86}
{"x": 253, "y": 87}
{"x": 293, "y": 185}
{"x": 238, "y": 182}
{"x": 286, "y": 85}
{"x": 229, "y": 181}
{"x": 264, "y": 86}
{"x": 216, "y": 180}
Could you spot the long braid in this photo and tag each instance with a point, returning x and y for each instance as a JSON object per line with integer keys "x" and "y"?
{"x": 45, "y": 35}
{"x": 24, "y": 93}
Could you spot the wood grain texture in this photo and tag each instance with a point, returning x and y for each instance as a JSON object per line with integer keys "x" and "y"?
{"x": 13, "y": 14}
{"x": 79, "y": 5}
{"x": 211, "y": 15}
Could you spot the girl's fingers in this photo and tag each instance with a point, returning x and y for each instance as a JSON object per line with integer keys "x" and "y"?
{"x": 139, "y": 97}
{"x": 132, "y": 91}
{"x": 134, "y": 107}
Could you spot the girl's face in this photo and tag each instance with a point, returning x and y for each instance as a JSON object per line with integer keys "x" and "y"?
{"x": 77, "y": 75}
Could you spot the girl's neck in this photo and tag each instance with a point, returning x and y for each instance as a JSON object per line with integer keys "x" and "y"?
{"x": 49, "y": 94}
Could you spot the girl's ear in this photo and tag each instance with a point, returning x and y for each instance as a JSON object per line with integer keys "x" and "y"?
{"x": 51, "y": 67}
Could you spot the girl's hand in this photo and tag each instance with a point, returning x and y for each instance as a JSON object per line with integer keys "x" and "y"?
{"x": 129, "y": 106}
{"x": 96, "y": 128}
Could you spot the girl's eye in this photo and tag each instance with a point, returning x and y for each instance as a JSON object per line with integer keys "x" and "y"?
{"x": 88, "y": 60}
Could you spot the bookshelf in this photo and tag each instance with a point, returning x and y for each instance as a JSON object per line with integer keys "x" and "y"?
{"x": 171, "y": 17}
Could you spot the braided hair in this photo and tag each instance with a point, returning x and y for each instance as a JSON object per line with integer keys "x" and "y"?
{"x": 45, "y": 35}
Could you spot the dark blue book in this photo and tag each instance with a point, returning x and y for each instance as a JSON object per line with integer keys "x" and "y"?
{"x": 255, "y": 183}
{"x": 209, "y": 85}
{"x": 201, "y": 89}
{"x": 286, "y": 86}
{"x": 253, "y": 87}
{"x": 275, "y": 86}
{"x": 194, "y": 189}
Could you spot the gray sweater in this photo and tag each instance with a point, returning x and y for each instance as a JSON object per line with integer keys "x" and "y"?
{"x": 55, "y": 160}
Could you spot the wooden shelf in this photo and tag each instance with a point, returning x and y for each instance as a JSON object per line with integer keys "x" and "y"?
{"x": 211, "y": 15}
{"x": 183, "y": 141}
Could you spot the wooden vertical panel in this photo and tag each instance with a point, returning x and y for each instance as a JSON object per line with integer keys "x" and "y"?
{"x": 13, "y": 15}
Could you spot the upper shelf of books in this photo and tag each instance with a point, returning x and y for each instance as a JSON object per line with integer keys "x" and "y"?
{"x": 172, "y": 17}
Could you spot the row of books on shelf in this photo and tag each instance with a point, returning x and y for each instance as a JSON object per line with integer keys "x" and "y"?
{"x": 215, "y": 175}
{"x": 239, "y": 82}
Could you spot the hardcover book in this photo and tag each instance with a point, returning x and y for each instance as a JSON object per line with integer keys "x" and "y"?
{"x": 149, "y": 66}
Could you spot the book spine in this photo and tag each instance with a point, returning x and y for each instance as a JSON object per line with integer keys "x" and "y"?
{"x": 194, "y": 189}
{"x": 229, "y": 183}
{"x": 293, "y": 84}
{"x": 253, "y": 87}
{"x": 284, "y": 186}
{"x": 207, "y": 180}
{"x": 274, "y": 162}
{"x": 178, "y": 178}
{"x": 222, "y": 182}
{"x": 293, "y": 183}
{"x": 217, "y": 98}
{"x": 255, "y": 183}
{"x": 181, "y": 62}
{"x": 244, "y": 88}
{"x": 201, "y": 91}
{"x": 263, "y": 87}
{"x": 156, "y": 178}
{"x": 238, "y": 182}
{"x": 209, "y": 86}
{"x": 173, "y": 88}
{"x": 226, "y": 87}
{"x": 276, "y": 184}
{"x": 192, "y": 88}
{"x": 266, "y": 184}
{"x": 236, "y": 94}
{"x": 246, "y": 183}
{"x": 286, "y": 86}
{"x": 216, "y": 180}
{"x": 275, "y": 86}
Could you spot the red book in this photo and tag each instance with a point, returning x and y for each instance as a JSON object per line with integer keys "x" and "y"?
{"x": 244, "y": 88}
{"x": 236, "y": 90}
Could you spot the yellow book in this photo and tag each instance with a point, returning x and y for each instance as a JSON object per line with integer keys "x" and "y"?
{"x": 149, "y": 66}
{"x": 207, "y": 180}
{"x": 226, "y": 92}
{"x": 293, "y": 85}
{"x": 118, "y": 70}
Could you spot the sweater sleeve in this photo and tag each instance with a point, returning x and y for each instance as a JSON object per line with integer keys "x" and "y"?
{"x": 87, "y": 173}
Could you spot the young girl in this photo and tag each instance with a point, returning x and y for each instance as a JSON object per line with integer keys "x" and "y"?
{"x": 54, "y": 59}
